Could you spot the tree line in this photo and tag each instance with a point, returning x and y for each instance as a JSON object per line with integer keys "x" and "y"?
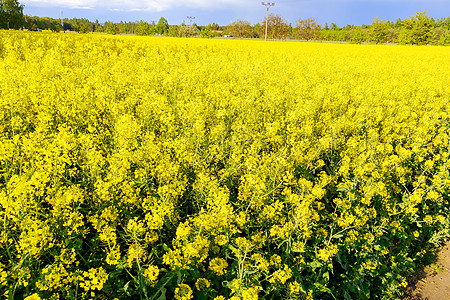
{"x": 11, "y": 14}
{"x": 161, "y": 27}
{"x": 420, "y": 29}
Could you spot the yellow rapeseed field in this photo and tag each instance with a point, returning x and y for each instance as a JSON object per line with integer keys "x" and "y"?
{"x": 163, "y": 168}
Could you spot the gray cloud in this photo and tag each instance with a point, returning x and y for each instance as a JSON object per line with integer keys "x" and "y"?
{"x": 133, "y": 5}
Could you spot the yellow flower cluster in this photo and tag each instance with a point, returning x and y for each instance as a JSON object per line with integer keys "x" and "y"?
{"x": 281, "y": 275}
{"x": 94, "y": 279}
{"x": 218, "y": 266}
{"x": 202, "y": 284}
{"x": 151, "y": 274}
{"x": 327, "y": 253}
{"x": 188, "y": 168}
{"x": 183, "y": 292}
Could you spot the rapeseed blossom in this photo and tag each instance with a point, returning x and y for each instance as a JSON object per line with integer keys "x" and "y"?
{"x": 188, "y": 168}
{"x": 218, "y": 266}
{"x": 183, "y": 292}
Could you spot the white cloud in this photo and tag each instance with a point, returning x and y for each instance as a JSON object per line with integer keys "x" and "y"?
{"x": 135, "y": 5}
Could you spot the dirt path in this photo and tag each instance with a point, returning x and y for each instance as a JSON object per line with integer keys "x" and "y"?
{"x": 435, "y": 284}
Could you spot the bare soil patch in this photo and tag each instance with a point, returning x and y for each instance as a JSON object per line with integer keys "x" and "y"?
{"x": 433, "y": 282}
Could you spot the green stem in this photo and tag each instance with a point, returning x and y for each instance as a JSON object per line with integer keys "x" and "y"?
{"x": 168, "y": 280}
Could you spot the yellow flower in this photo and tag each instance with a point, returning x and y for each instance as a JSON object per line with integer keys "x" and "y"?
{"x": 260, "y": 262}
{"x": 220, "y": 240}
{"x": 218, "y": 265}
{"x": 294, "y": 288}
{"x": 369, "y": 265}
{"x": 94, "y": 279}
{"x": 327, "y": 253}
{"x": 113, "y": 256}
{"x": 151, "y": 274}
{"x": 404, "y": 283}
{"x": 275, "y": 260}
{"x": 91, "y": 156}
{"x": 151, "y": 236}
{"x": 281, "y": 276}
{"x": 183, "y": 292}
{"x": 250, "y": 294}
{"x": 135, "y": 253}
{"x": 136, "y": 226}
{"x": 33, "y": 297}
{"x": 202, "y": 284}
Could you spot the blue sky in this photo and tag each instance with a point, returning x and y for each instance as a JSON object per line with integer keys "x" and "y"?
{"x": 223, "y": 12}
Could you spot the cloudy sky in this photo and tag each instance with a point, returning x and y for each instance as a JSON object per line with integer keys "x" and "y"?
{"x": 223, "y": 12}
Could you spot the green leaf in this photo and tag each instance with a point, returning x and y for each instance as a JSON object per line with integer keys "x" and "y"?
{"x": 178, "y": 277}
{"x": 125, "y": 288}
{"x": 326, "y": 276}
{"x": 166, "y": 248}
{"x": 347, "y": 296}
{"x": 142, "y": 285}
{"x": 316, "y": 264}
{"x": 163, "y": 294}
{"x": 342, "y": 261}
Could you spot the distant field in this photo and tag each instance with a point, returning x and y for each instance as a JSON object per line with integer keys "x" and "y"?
{"x": 161, "y": 168}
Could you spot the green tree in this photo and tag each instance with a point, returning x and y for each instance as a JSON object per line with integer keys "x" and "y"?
{"x": 142, "y": 28}
{"x": 187, "y": 30}
{"x": 379, "y": 30}
{"x": 358, "y": 35}
{"x": 125, "y": 27}
{"x": 422, "y": 28}
{"x": 162, "y": 27}
{"x": 405, "y": 36}
{"x": 111, "y": 28}
{"x": 444, "y": 40}
{"x": 443, "y": 23}
{"x": 307, "y": 29}
{"x": 398, "y": 23}
{"x": 29, "y": 23}
{"x": 80, "y": 25}
{"x": 31, "y": 26}
{"x": 95, "y": 25}
{"x": 417, "y": 29}
{"x": 11, "y": 14}
{"x": 207, "y": 32}
{"x": 278, "y": 27}
{"x": 82, "y": 28}
{"x": 393, "y": 35}
{"x": 215, "y": 26}
{"x": 56, "y": 26}
{"x": 172, "y": 30}
{"x": 99, "y": 28}
{"x": 240, "y": 29}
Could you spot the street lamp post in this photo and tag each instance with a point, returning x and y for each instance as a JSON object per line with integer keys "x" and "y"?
{"x": 267, "y": 5}
{"x": 62, "y": 23}
{"x": 190, "y": 20}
